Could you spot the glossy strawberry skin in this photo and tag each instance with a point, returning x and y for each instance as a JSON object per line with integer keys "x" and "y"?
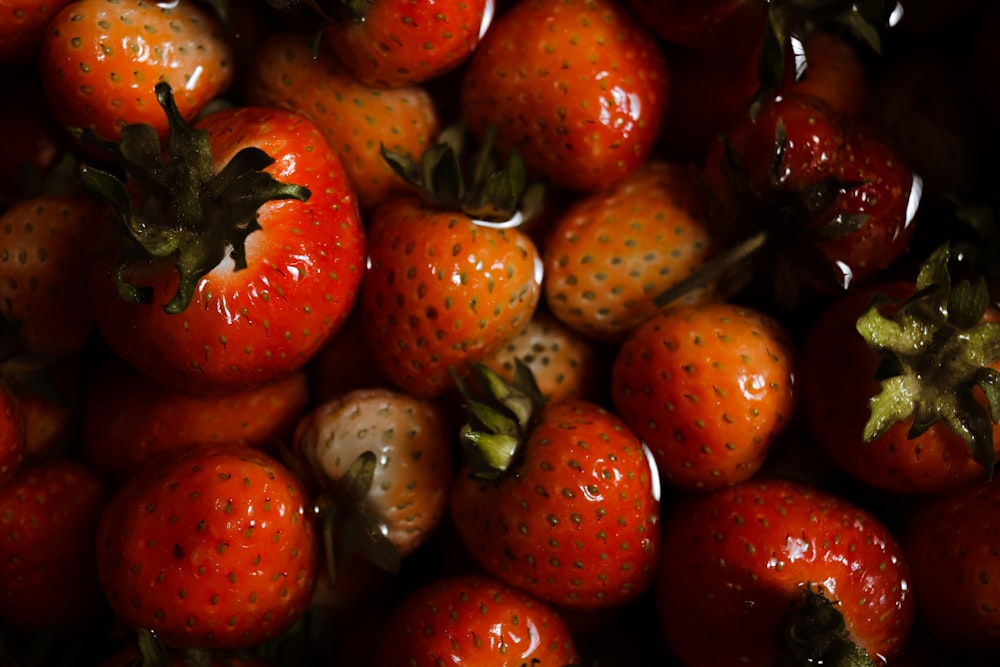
{"x": 838, "y": 381}
{"x": 49, "y": 516}
{"x": 357, "y": 119}
{"x": 209, "y": 547}
{"x": 822, "y": 145}
{"x": 735, "y": 559}
{"x": 99, "y": 71}
{"x": 441, "y": 292}
{"x": 476, "y": 621}
{"x": 405, "y": 42}
{"x": 576, "y": 521}
{"x": 613, "y": 250}
{"x": 247, "y": 327}
{"x": 708, "y": 388}
{"x": 413, "y": 453}
{"x": 578, "y": 88}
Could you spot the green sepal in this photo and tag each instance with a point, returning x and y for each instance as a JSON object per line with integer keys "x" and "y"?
{"x": 498, "y": 423}
{"x": 183, "y": 209}
{"x": 814, "y": 633}
{"x": 934, "y": 351}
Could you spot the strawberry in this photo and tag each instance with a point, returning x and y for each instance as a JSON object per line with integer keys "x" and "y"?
{"x": 578, "y": 87}
{"x": 707, "y": 388}
{"x": 13, "y": 439}
{"x": 396, "y": 43}
{"x": 43, "y": 271}
{"x": 559, "y": 499}
{"x": 809, "y": 199}
{"x": 49, "y": 516}
{"x": 713, "y": 29}
{"x": 564, "y": 363}
{"x": 212, "y": 546}
{"x": 357, "y": 119}
{"x": 770, "y": 569}
{"x": 210, "y": 275}
{"x": 951, "y": 543}
{"x": 829, "y": 67}
{"x": 384, "y": 459}
{"x": 475, "y": 621}
{"x": 614, "y": 249}
{"x": 128, "y": 418}
{"x": 449, "y": 276}
{"x": 891, "y": 380}
{"x": 99, "y": 69}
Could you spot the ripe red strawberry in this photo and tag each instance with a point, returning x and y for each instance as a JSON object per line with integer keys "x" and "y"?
{"x": 561, "y": 501}
{"x": 43, "y": 274}
{"x": 211, "y": 547}
{"x": 578, "y": 87}
{"x": 357, "y": 119}
{"x": 929, "y": 429}
{"x": 395, "y": 43}
{"x": 707, "y": 388}
{"x": 714, "y": 29}
{"x": 49, "y": 515}
{"x": 13, "y": 439}
{"x": 952, "y": 543}
{"x": 128, "y": 418}
{"x": 101, "y": 59}
{"x": 450, "y": 275}
{"x": 474, "y": 621}
{"x": 234, "y": 278}
{"x": 384, "y": 461}
{"x": 564, "y": 363}
{"x": 810, "y": 199}
{"x": 740, "y": 564}
{"x": 613, "y": 250}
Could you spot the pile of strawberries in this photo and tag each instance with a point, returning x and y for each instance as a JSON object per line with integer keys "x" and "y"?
{"x": 499, "y": 332}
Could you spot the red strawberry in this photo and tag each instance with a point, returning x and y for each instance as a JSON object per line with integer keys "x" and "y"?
{"x": 384, "y": 459}
{"x": 560, "y": 501}
{"x": 739, "y": 566}
{"x": 128, "y": 418}
{"x": 13, "y": 440}
{"x": 22, "y": 29}
{"x": 395, "y": 43}
{"x": 474, "y": 621}
{"x": 356, "y": 119}
{"x": 101, "y": 59}
{"x": 209, "y": 547}
{"x": 713, "y": 29}
{"x": 49, "y": 515}
{"x": 952, "y": 543}
{"x": 890, "y": 384}
{"x": 578, "y": 87}
{"x": 613, "y": 250}
{"x": 707, "y": 388}
{"x": 43, "y": 271}
{"x": 235, "y": 278}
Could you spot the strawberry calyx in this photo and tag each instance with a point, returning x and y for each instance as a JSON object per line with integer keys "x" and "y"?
{"x": 349, "y": 529}
{"x": 934, "y": 351}
{"x": 176, "y": 205}
{"x": 498, "y": 421}
{"x": 477, "y": 185}
{"x": 814, "y": 633}
{"x": 787, "y": 225}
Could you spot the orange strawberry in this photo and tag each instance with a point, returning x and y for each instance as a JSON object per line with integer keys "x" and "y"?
{"x": 101, "y": 59}
{"x": 356, "y": 119}
{"x": 578, "y": 86}
{"x": 615, "y": 249}
{"x": 707, "y": 388}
